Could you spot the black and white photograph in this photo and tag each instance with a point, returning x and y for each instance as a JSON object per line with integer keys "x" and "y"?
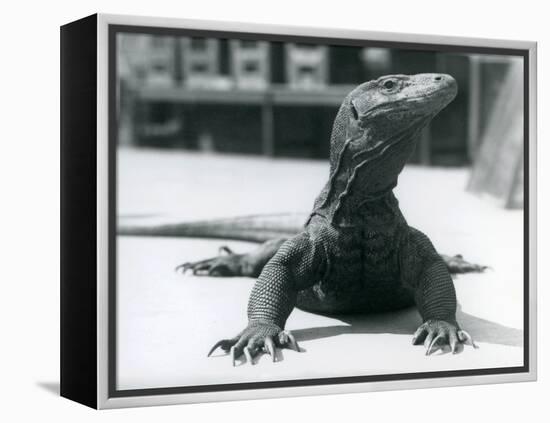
{"x": 224, "y": 211}
{"x": 300, "y": 210}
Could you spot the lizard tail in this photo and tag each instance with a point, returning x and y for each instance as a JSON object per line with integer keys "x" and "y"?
{"x": 255, "y": 228}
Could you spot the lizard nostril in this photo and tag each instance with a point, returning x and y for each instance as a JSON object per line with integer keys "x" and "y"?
{"x": 437, "y": 78}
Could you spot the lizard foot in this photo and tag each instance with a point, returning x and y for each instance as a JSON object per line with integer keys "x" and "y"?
{"x": 226, "y": 264}
{"x": 256, "y": 337}
{"x": 437, "y": 334}
{"x": 457, "y": 264}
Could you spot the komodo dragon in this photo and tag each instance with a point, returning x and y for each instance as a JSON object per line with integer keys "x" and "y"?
{"x": 356, "y": 252}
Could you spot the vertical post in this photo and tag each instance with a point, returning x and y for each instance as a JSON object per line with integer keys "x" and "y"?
{"x": 474, "y": 107}
{"x": 268, "y": 136}
{"x": 514, "y": 198}
{"x": 139, "y": 109}
{"x": 424, "y": 146}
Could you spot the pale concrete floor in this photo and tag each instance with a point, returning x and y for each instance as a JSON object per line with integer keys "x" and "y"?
{"x": 167, "y": 322}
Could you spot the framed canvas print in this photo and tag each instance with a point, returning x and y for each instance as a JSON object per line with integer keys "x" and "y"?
{"x": 254, "y": 211}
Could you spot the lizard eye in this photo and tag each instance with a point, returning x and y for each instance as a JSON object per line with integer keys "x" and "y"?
{"x": 389, "y": 84}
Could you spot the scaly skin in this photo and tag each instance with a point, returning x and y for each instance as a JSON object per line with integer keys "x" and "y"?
{"x": 356, "y": 253}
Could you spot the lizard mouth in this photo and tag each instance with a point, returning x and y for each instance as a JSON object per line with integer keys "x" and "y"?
{"x": 438, "y": 97}
{"x": 426, "y": 104}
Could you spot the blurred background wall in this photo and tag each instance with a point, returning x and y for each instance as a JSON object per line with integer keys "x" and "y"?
{"x": 280, "y": 99}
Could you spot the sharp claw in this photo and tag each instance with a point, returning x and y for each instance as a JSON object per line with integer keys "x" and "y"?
{"x": 225, "y": 344}
{"x": 293, "y": 342}
{"x": 183, "y": 266}
{"x": 216, "y": 345}
{"x": 270, "y": 347}
{"x": 465, "y": 337}
{"x": 225, "y": 249}
{"x": 200, "y": 268}
{"x": 419, "y": 335}
{"x": 232, "y": 352}
{"x": 198, "y": 265}
{"x": 248, "y": 355}
{"x": 428, "y": 339}
{"x": 429, "y": 350}
{"x": 453, "y": 347}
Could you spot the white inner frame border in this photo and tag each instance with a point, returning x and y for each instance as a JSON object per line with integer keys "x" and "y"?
{"x": 103, "y": 401}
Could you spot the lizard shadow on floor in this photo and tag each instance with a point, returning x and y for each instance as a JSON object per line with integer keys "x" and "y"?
{"x": 405, "y": 322}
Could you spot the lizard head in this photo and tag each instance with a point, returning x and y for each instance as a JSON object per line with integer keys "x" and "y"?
{"x": 375, "y": 132}
{"x": 379, "y": 121}
{"x": 391, "y": 108}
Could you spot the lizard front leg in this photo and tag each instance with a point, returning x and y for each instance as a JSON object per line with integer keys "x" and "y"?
{"x": 434, "y": 295}
{"x": 233, "y": 264}
{"x": 296, "y": 266}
